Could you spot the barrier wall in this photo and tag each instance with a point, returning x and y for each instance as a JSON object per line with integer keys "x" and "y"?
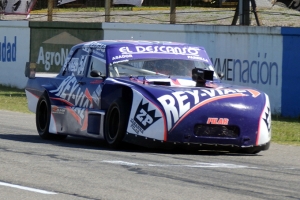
{"x": 260, "y": 57}
{"x": 248, "y": 56}
{"x": 14, "y": 52}
{"x": 291, "y": 72}
{"x": 51, "y": 41}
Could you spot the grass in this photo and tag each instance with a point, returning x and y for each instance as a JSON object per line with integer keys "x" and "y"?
{"x": 284, "y": 130}
{"x": 13, "y": 99}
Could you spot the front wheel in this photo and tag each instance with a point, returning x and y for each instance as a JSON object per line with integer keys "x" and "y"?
{"x": 116, "y": 122}
{"x": 42, "y": 118}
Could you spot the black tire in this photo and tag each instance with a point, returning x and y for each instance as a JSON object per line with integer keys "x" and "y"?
{"x": 116, "y": 122}
{"x": 42, "y": 118}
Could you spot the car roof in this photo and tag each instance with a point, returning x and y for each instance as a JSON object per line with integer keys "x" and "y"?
{"x": 114, "y": 51}
{"x": 112, "y": 43}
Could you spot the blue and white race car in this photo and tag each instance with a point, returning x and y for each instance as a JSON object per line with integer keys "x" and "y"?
{"x": 148, "y": 93}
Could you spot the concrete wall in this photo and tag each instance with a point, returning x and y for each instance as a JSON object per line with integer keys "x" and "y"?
{"x": 265, "y": 58}
{"x": 51, "y": 41}
{"x": 14, "y": 52}
{"x": 249, "y": 56}
{"x": 290, "y": 93}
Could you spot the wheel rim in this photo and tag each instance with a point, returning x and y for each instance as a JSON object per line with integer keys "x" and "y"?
{"x": 43, "y": 116}
{"x": 113, "y": 124}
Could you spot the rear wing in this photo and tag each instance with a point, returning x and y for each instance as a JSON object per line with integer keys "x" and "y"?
{"x": 30, "y": 70}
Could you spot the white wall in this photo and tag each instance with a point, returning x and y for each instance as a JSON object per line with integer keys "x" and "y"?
{"x": 248, "y": 56}
{"x": 14, "y": 52}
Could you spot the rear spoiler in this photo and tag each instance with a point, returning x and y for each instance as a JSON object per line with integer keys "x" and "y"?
{"x": 30, "y": 70}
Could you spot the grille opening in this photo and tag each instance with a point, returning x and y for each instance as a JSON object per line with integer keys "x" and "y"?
{"x": 210, "y": 130}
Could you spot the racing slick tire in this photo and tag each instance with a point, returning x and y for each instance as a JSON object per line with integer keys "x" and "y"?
{"x": 42, "y": 118}
{"x": 116, "y": 122}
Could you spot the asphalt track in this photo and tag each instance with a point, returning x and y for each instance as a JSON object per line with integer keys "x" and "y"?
{"x": 77, "y": 168}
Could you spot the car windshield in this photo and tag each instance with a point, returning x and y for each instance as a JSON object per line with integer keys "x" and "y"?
{"x": 163, "y": 67}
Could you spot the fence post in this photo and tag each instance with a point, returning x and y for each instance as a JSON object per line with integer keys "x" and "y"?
{"x": 172, "y": 11}
{"x": 244, "y": 12}
{"x": 107, "y": 10}
{"x": 50, "y": 9}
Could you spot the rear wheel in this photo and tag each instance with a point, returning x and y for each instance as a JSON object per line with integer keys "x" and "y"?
{"x": 42, "y": 118}
{"x": 116, "y": 122}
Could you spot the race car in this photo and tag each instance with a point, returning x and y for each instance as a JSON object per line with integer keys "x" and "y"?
{"x": 149, "y": 93}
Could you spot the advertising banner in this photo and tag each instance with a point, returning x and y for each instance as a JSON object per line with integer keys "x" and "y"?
{"x": 292, "y": 4}
{"x": 61, "y": 2}
{"x": 16, "y": 7}
{"x": 14, "y": 52}
{"x": 51, "y": 42}
{"x": 128, "y": 2}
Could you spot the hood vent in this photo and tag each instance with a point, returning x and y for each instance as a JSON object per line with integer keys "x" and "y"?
{"x": 165, "y": 83}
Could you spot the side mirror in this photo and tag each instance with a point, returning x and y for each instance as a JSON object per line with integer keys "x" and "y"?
{"x": 30, "y": 70}
{"x": 95, "y": 73}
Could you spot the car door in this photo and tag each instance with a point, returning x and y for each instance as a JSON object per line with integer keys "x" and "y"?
{"x": 91, "y": 83}
{"x": 88, "y": 103}
{"x": 79, "y": 92}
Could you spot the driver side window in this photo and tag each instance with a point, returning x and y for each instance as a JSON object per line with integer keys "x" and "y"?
{"x": 98, "y": 65}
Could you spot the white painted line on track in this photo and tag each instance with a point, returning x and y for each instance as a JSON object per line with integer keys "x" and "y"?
{"x": 120, "y": 162}
{"x": 195, "y": 165}
{"x": 26, "y": 188}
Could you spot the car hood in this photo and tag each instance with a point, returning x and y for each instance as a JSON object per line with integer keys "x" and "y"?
{"x": 180, "y": 108}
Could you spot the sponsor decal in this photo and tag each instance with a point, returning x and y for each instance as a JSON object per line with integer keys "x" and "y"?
{"x": 70, "y": 91}
{"x": 267, "y": 118}
{"x": 80, "y": 115}
{"x": 219, "y": 121}
{"x": 143, "y": 118}
{"x": 181, "y": 103}
{"x": 57, "y": 110}
{"x": 120, "y": 61}
{"x": 82, "y": 63}
{"x": 198, "y": 58}
{"x": 121, "y": 57}
{"x": 192, "y": 51}
{"x": 96, "y": 95}
{"x": 94, "y": 45}
{"x": 8, "y": 50}
{"x": 73, "y": 65}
